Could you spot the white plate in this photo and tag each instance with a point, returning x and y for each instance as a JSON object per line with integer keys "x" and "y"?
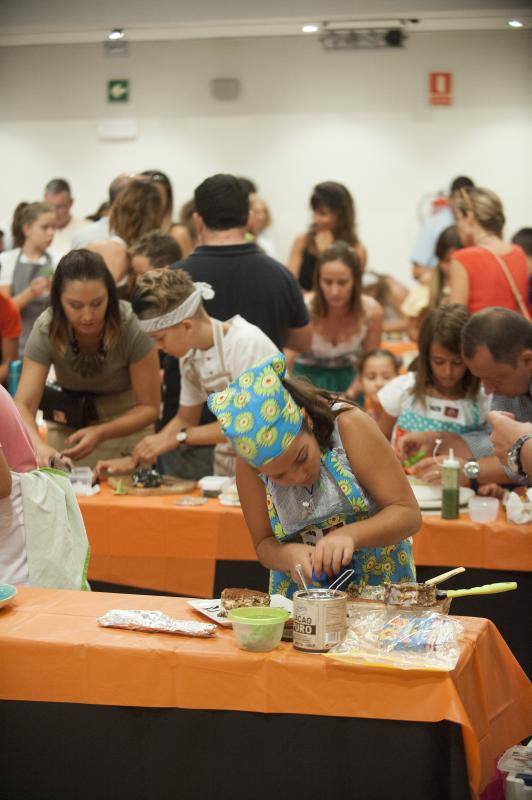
{"x": 424, "y": 492}
{"x": 211, "y": 608}
{"x": 229, "y": 500}
{"x": 7, "y": 593}
{"x": 435, "y": 504}
{"x": 429, "y": 497}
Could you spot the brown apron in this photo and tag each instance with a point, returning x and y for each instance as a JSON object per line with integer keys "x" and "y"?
{"x": 109, "y": 406}
{"x": 224, "y": 455}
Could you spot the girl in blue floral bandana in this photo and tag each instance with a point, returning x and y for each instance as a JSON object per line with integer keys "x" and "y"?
{"x": 318, "y": 483}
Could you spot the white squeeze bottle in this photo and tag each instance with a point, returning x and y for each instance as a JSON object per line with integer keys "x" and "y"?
{"x": 450, "y": 479}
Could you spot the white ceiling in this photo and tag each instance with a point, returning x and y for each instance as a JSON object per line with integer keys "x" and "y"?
{"x": 70, "y": 21}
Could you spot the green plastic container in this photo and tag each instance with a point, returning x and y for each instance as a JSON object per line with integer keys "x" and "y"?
{"x": 258, "y": 629}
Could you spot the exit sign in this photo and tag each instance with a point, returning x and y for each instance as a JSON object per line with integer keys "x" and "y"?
{"x": 118, "y": 91}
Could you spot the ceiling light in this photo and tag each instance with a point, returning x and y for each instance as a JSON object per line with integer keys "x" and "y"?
{"x": 309, "y": 28}
{"x": 515, "y": 23}
{"x": 116, "y": 33}
{"x": 367, "y": 38}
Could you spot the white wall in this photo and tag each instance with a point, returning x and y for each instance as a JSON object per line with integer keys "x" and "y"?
{"x": 304, "y": 115}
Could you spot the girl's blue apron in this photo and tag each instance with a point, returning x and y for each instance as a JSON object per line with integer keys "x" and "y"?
{"x": 371, "y": 565}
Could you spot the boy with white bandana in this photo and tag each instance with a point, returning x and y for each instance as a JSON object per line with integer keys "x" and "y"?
{"x": 211, "y": 354}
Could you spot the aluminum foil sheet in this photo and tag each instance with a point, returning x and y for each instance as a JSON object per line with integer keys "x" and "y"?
{"x": 154, "y": 622}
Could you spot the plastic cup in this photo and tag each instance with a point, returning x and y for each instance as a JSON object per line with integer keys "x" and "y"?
{"x": 258, "y": 629}
{"x": 483, "y": 509}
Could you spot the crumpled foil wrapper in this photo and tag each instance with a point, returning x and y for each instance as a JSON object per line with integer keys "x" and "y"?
{"x": 154, "y": 622}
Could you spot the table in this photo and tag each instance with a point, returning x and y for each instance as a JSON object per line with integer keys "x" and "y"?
{"x": 106, "y": 681}
{"x": 152, "y": 544}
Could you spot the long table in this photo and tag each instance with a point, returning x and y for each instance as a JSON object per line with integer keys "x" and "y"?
{"x": 152, "y": 544}
{"x": 136, "y": 712}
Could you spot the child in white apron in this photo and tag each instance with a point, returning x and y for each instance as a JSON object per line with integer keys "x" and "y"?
{"x": 440, "y": 398}
{"x": 25, "y": 272}
{"x": 211, "y": 354}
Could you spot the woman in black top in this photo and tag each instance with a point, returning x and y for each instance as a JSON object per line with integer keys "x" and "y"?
{"x": 333, "y": 220}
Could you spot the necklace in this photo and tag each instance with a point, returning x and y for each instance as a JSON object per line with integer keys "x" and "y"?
{"x": 88, "y": 366}
{"x": 308, "y": 503}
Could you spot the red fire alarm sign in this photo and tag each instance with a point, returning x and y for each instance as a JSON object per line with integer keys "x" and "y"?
{"x": 440, "y": 88}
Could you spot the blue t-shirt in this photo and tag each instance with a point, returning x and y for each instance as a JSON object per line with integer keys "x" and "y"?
{"x": 423, "y": 250}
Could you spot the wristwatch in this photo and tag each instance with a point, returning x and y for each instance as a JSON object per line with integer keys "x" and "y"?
{"x": 513, "y": 457}
{"x": 472, "y": 471}
{"x": 182, "y": 436}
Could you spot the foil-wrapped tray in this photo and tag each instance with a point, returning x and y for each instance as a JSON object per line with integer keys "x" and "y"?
{"x": 154, "y": 622}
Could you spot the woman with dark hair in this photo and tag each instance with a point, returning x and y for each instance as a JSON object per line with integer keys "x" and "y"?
{"x": 318, "y": 484}
{"x": 345, "y": 323}
{"x": 333, "y": 220}
{"x": 439, "y": 394}
{"x": 178, "y": 230}
{"x": 106, "y": 368}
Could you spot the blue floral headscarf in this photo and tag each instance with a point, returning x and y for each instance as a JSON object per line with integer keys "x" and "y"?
{"x": 257, "y": 413}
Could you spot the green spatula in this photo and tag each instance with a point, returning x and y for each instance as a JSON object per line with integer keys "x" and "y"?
{"x": 488, "y": 588}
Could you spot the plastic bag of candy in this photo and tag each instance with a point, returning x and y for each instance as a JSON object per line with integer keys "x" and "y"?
{"x": 403, "y": 639}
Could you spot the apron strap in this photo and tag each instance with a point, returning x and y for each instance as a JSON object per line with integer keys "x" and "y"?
{"x": 223, "y": 377}
{"x": 218, "y": 336}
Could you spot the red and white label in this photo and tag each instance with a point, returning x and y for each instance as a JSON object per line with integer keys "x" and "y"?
{"x": 440, "y": 88}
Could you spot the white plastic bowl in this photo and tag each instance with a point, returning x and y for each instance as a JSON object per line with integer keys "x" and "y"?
{"x": 212, "y": 485}
{"x": 483, "y": 509}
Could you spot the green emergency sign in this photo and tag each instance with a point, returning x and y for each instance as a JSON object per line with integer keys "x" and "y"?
{"x": 118, "y": 91}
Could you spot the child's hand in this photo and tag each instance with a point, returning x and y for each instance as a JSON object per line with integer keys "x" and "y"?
{"x": 154, "y": 445}
{"x": 39, "y": 286}
{"x": 45, "y": 454}
{"x": 411, "y": 443}
{"x": 333, "y": 552}
{"x": 299, "y": 554}
{"x": 114, "y": 466}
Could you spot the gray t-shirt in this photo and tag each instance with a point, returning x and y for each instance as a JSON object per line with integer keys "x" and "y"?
{"x": 132, "y": 345}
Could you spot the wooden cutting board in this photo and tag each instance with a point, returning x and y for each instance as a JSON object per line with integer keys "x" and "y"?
{"x": 170, "y": 485}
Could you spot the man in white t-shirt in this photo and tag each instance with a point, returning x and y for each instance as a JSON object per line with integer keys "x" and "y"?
{"x": 58, "y": 195}
{"x": 211, "y": 354}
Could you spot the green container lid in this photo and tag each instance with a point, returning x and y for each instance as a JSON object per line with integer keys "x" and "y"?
{"x": 258, "y": 615}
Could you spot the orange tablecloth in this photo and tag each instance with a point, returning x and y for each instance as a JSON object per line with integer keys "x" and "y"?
{"x": 496, "y": 545}
{"x": 54, "y": 651}
{"x": 152, "y": 543}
